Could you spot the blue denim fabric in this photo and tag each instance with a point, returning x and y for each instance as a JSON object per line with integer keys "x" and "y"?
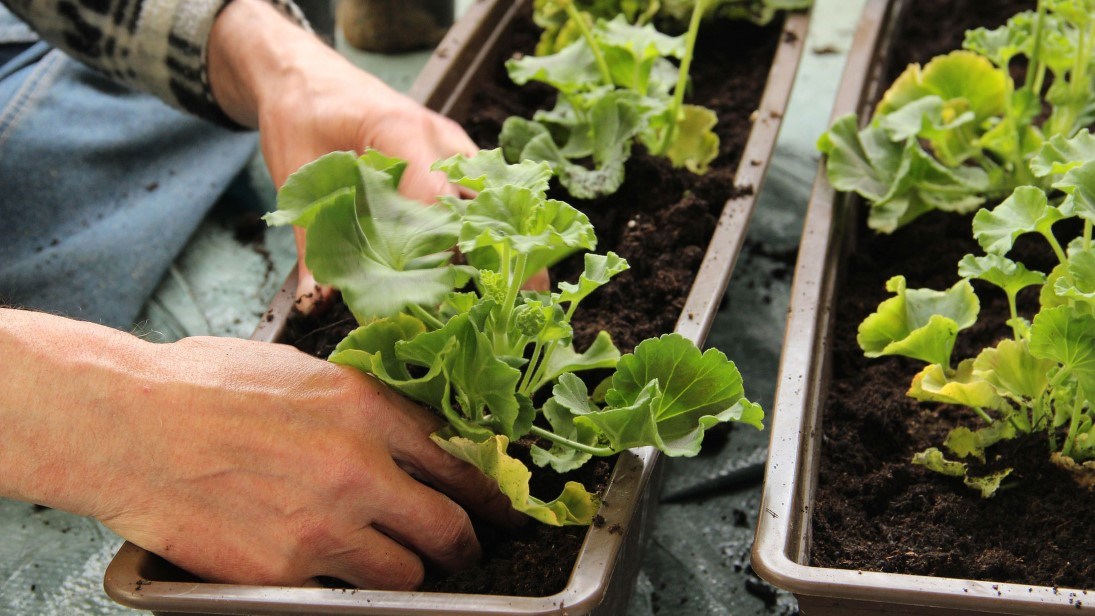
{"x": 100, "y": 185}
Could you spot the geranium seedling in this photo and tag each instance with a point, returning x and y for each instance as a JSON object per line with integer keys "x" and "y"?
{"x": 466, "y": 340}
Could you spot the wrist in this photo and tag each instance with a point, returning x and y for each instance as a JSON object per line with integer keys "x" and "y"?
{"x": 68, "y": 409}
{"x": 265, "y": 71}
{"x": 253, "y": 50}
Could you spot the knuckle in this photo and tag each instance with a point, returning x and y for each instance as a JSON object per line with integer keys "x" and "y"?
{"x": 312, "y": 534}
{"x": 344, "y": 465}
{"x": 453, "y": 533}
{"x": 354, "y": 398}
{"x": 444, "y": 465}
{"x": 195, "y": 343}
{"x": 361, "y": 393}
{"x": 347, "y": 384}
{"x": 449, "y": 124}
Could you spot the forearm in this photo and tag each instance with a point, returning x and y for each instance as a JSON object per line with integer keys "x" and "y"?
{"x": 69, "y": 389}
{"x": 258, "y": 59}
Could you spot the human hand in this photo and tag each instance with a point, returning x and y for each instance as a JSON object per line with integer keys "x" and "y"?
{"x": 239, "y": 461}
{"x": 307, "y": 100}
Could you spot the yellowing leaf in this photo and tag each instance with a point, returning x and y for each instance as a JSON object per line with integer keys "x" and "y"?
{"x": 957, "y": 75}
{"x": 963, "y": 387}
{"x": 573, "y": 507}
{"x": 919, "y": 323}
{"x": 696, "y": 143}
{"x": 1013, "y": 370}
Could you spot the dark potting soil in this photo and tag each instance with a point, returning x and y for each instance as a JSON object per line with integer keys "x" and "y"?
{"x": 932, "y": 27}
{"x": 662, "y": 218}
{"x": 876, "y": 511}
{"x": 660, "y": 221}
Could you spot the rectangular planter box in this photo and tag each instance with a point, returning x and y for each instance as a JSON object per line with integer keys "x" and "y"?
{"x": 781, "y": 553}
{"x": 609, "y": 560}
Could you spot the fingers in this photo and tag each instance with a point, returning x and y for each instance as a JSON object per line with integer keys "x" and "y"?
{"x": 443, "y": 138}
{"x": 309, "y": 293}
{"x": 415, "y": 453}
{"x": 460, "y": 481}
{"x": 372, "y": 560}
{"x": 421, "y": 184}
{"x": 450, "y": 136}
{"x": 428, "y": 523}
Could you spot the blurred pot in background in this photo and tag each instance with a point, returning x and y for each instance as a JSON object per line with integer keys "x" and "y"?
{"x": 391, "y": 26}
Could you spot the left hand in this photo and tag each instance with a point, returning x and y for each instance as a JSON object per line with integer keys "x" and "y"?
{"x": 307, "y": 100}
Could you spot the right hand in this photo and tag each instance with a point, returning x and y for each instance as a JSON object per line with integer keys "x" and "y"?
{"x": 240, "y": 461}
{"x": 264, "y": 465}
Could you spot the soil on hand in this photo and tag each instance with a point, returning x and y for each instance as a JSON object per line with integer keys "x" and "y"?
{"x": 660, "y": 221}
{"x": 874, "y": 509}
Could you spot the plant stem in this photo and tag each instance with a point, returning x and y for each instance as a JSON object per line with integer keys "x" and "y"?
{"x": 566, "y": 442}
{"x": 537, "y": 380}
{"x": 1014, "y": 423}
{"x": 981, "y": 413}
{"x": 1074, "y": 422}
{"x": 1063, "y": 119}
{"x": 1014, "y": 314}
{"x": 1049, "y": 414}
{"x": 533, "y": 366}
{"x": 516, "y": 278}
{"x": 1057, "y": 250}
{"x": 578, "y": 111}
{"x": 1079, "y": 71}
{"x": 682, "y": 77}
{"x": 1023, "y": 175}
{"x": 1036, "y": 52}
{"x": 1004, "y": 187}
{"x": 501, "y": 333}
{"x": 649, "y": 13}
{"x": 1059, "y": 378}
{"x": 1078, "y": 84}
{"x": 426, "y": 317}
{"x": 576, "y": 16}
{"x": 1039, "y": 411}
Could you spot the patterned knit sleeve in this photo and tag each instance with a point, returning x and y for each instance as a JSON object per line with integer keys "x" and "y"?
{"x": 158, "y": 46}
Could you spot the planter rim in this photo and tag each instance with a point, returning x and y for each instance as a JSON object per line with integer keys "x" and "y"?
{"x": 783, "y": 530}
{"x": 443, "y": 88}
{"x": 125, "y": 584}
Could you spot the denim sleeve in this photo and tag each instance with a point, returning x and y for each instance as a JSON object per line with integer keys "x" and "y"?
{"x": 158, "y": 46}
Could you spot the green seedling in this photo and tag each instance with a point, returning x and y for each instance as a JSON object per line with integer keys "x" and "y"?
{"x": 497, "y": 362}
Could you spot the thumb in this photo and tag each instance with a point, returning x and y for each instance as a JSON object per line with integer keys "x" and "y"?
{"x": 424, "y": 185}
{"x": 309, "y": 293}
